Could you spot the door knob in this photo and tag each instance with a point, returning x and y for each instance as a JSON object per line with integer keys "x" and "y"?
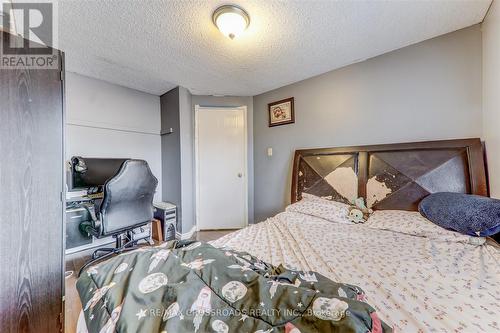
{"x": 240, "y": 175}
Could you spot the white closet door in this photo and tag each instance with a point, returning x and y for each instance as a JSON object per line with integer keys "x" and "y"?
{"x": 221, "y": 151}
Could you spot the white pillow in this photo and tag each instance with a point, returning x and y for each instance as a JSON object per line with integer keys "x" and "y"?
{"x": 329, "y": 210}
{"x": 307, "y": 196}
{"x": 412, "y": 223}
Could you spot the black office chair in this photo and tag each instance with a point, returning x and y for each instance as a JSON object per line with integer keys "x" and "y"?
{"x": 127, "y": 204}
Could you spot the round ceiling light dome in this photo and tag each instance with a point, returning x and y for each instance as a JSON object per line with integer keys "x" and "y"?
{"x": 231, "y": 20}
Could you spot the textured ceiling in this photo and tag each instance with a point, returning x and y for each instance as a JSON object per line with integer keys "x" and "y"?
{"x": 154, "y": 46}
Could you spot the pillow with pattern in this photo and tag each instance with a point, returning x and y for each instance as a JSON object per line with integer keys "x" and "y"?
{"x": 329, "y": 210}
{"x": 412, "y": 223}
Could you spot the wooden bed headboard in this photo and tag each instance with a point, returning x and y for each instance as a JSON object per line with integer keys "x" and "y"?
{"x": 391, "y": 176}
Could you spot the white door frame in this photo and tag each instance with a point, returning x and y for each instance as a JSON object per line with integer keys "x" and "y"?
{"x": 197, "y": 109}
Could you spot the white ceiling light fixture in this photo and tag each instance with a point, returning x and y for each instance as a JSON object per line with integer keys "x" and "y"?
{"x": 231, "y": 20}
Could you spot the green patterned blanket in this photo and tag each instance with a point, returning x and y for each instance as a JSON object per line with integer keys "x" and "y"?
{"x": 194, "y": 287}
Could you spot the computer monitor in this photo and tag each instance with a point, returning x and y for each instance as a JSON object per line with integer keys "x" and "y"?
{"x": 93, "y": 172}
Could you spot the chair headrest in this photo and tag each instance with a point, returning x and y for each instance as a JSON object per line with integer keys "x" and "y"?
{"x": 128, "y": 197}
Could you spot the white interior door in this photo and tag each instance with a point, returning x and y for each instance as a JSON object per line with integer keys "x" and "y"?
{"x": 221, "y": 151}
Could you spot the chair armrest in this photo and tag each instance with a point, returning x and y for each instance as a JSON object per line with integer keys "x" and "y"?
{"x": 87, "y": 228}
{"x": 92, "y": 227}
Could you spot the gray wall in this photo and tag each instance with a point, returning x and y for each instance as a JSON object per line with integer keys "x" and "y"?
{"x": 227, "y": 101}
{"x": 177, "y": 151}
{"x": 430, "y": 90}
{"x": 170, "y": 151}
{"x": 491, "y": 94}
{"x": 187, "y": 160}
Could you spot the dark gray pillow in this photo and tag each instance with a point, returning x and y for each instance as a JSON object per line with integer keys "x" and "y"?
{"x": 468, "y": 214}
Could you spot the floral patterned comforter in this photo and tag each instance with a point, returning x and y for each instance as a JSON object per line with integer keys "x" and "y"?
{"x": 416, "y": 284}
{"x": 195, "y": 287}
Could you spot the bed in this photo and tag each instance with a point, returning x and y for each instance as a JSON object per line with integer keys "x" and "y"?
{"x": 417, "y": 282}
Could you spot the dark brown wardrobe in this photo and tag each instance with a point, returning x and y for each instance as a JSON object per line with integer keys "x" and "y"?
{"x": 31, "y": 199}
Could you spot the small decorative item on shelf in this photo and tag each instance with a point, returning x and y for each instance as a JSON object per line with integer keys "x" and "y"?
{"x": 281, "y": 112}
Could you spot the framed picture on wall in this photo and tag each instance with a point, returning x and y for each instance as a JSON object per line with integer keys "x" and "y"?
{"x": 281, "y": 112}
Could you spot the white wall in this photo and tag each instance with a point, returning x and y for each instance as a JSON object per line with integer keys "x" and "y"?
{"x": 107, "y": 120}
{"x": 431, "y": 90}
{"x": 491, "y": 94}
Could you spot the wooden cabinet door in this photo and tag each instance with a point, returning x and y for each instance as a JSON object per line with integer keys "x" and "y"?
{"x": 31, "y": 206}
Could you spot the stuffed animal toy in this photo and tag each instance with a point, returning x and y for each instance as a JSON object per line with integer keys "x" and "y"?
{"x": 358, "y": 212}
{"x": 355, "y": 215}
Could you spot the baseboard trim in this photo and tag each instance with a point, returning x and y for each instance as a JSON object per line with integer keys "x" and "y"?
{"x": 186, "y": 235}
